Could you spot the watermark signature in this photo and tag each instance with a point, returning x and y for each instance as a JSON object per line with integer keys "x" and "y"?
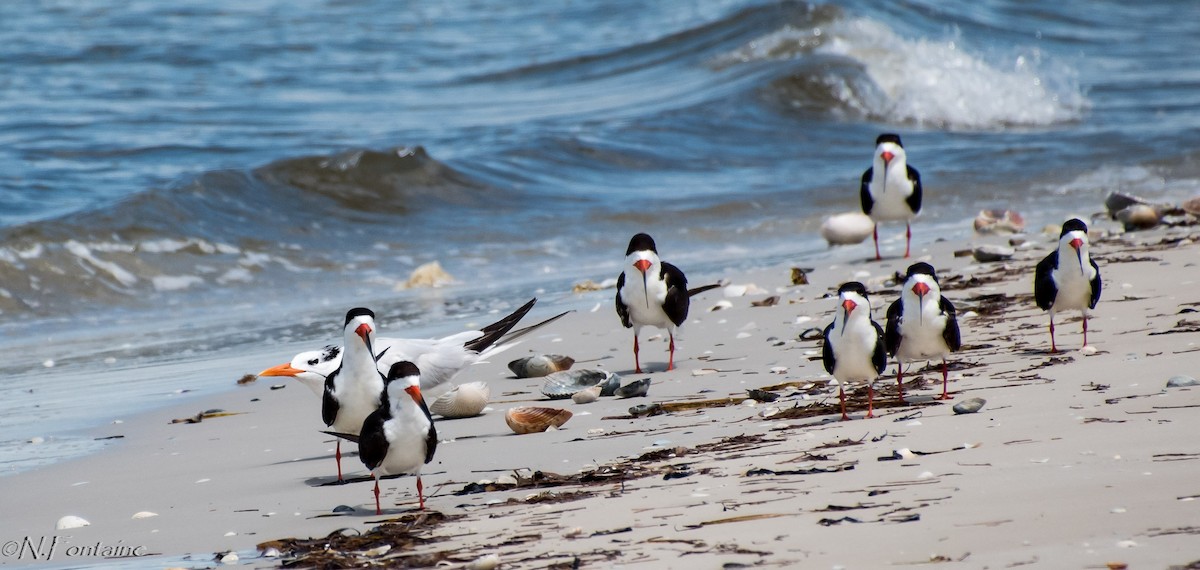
{"x": 31, "y": 548}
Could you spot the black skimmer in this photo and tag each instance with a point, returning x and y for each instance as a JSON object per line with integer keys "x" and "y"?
{"x": 854, "y": 350}
{"x": 398, "y": 437}
{"x": 438, "y": 359}
{"x": 891, "y": 189}
{"x": 652, "y": 292}
{"x": 1068, "y": 278}
{"x": 353, "y": 390}
{"x": 921, "y": 324}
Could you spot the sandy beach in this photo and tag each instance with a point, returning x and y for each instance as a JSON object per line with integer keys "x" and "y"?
{"x": 1082, "y": 459}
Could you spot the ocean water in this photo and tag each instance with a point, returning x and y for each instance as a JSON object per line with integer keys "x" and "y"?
{"x": 190, "y": 191}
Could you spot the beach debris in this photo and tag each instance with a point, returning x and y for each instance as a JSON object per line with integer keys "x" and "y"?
{"x": 378, "y": 551}
{"x": 1182, "y": 382}
{"x": 847, "y": 229}
{"x": 999, "y": 221}
{"x": 532, "y": 419}
{"x": 800, "y": 275}
{"x": 228, "y": 557}
{"x": 719, "y": 305}
{"x": 587, "y": 395}
{"x": 485, "y": 562}
{"x": 71, "y": 521}
{"x": 634, "y": 389}
{"x": 1191, "y": 206}
{"x": 989, "y": 253}
{"x": 969, "y": 406}
{"x": 143, "y": 515}
{"x": 562, "y": 385}
{"x": 248, "y": 378}
{"x": 340, "y": 509}
{"x": 463, "y": 401}
{"x": 540, "y": 365}
{"x": 1139, "y": 217}
{"x": 645, "y": 410}
{"x": 762, "y": 395}
{"x": 428, "y": 275}
{"x": 589, "y": 285}
{"x": 768, "y": 302}
{"x": 207, "y": 414}
{"x": 734, "y": 290}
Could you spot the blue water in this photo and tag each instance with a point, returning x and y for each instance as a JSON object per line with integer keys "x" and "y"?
{"x": 195, "y": 183}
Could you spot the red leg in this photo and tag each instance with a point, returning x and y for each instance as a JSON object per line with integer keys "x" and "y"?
{"x": 875, "y": 234}
{"x": 907, "y": 238}
{"x": 338, "y": 456}
{"x": 671, "y": 359}
{"x": 870, "y": 401}
{"x": 637, "y": 364}
{"x": 420, "y": 492}
{"x": 842, "y": 397}
{"x": 900, "y": 380}
{"x": 378, "y": 510}
{"x": 1053, "y": 348}
{"x": 945, "y": 375}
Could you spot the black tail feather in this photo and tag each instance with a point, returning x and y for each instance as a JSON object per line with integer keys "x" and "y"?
{"x": 494, "y": 331}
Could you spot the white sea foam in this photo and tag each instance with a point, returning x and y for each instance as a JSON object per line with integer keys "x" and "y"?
{"x": 83, "y": 252}
{"x": 175, "y": 282}
{"x": 937, "y": 82}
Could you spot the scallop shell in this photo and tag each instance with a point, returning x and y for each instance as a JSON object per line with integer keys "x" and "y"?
{"x": 566, "y": 383}
{"x": 999, "y": 221}
{"x": 540, "y": 365}
{"x": 587, "y": 395}
{"x": 847, "y": 229}
{"x": 634, "y": 389}
{"x": 71, "y": 521}
{"x": 530, "y": 419}
{"x": 462, "y": 401}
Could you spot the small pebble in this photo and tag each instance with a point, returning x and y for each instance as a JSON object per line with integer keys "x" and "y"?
{"x": 1182, "y": 382}
{"x": 969, "y": 406}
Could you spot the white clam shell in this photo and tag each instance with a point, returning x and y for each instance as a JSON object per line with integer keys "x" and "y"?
{"x": 847, "y": 229}
{"x": 587, "y": 395}
{"x": 532, "y": 419}
{"x": 71, "y": 521}
{"x": 540, "y": 365}
{"x": 463, "y": 401}
{"x": 143, "y": 515}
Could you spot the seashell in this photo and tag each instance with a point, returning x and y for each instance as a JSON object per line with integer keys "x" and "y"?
{"x": 143, "y": 515}
{"x": 1191, "y": 206}
{"x": 762, "y": 395}
{"x": 722, "y": 304}
{"x": 1118, "y": 201}
{"x": 540, "y": 365}
{"x": 986, "y": 253}
{"x": 530, "y": 419}
{"x": 587, "y": 395}
{"x": 1139, "y": 217}
{"x": 428, "y": 275}
{"x": 847, "y": 229}
{"x": 969, "y": 406}
{"x": 462, "y": 401}
{"x": 1181, "y": 382}
{"x": 565, "y": 384}
{"x": 645, "y": 410}
{"x": 485, "y": 562}
{"x": 71, "y": 521}
{"x": 634, "y": 389}
{"x": 999, "y": 221}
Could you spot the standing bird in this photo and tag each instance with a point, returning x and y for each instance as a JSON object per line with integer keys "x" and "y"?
{"x": 353, "y": 390}
{"x": 854, "y": 350}
{"x": 921, "y": 324}
{"x": 1068, "y": 278}
{"x": 398, "y": 437}
{"x": 891, "y": 189}
{"x": 652, "y": 292}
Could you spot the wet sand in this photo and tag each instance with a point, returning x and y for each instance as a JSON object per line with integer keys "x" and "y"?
{"x": 1078, "y": 460}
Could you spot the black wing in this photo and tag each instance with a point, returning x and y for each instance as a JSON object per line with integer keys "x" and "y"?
{"x": 864, "y": 193}
{"x": 372, "y": 443}
{"x": 431, "y": 438}
{"x": 891, "y": 336}
{"x": 676, "y": 303}
{"x": 1044, "y": 289}
{"x": 329, "y": 405}
{"x": 914, "y": 199}
{"x": 879, "y": 359}
{"x": 827, "y": 349}
{"x": 622, "y": 310}
{"x": 698, "y": 290}
{"x": 1095, "y": 285}
{"x": 494, "y": 331}
{"x": 950, "y": 334}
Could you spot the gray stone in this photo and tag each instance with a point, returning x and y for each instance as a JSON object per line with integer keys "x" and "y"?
{"x": 969, "y": 406}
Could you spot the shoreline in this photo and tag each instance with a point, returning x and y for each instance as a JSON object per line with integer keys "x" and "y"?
{"x": 1051, "y": 470}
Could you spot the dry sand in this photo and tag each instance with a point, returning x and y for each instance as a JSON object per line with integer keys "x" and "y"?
{"x": 1078, "y": 460}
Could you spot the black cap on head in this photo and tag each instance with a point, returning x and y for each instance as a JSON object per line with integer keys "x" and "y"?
{"x": 402, "y": 369}
{"x": 358, "y": 312}
{"x": 1073, "y": 225}
{"x": 889, "y": 137}
{"x": 853, "y": 286}
{"x": 641, "y": 242}
{"x": 921, "y": 268}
